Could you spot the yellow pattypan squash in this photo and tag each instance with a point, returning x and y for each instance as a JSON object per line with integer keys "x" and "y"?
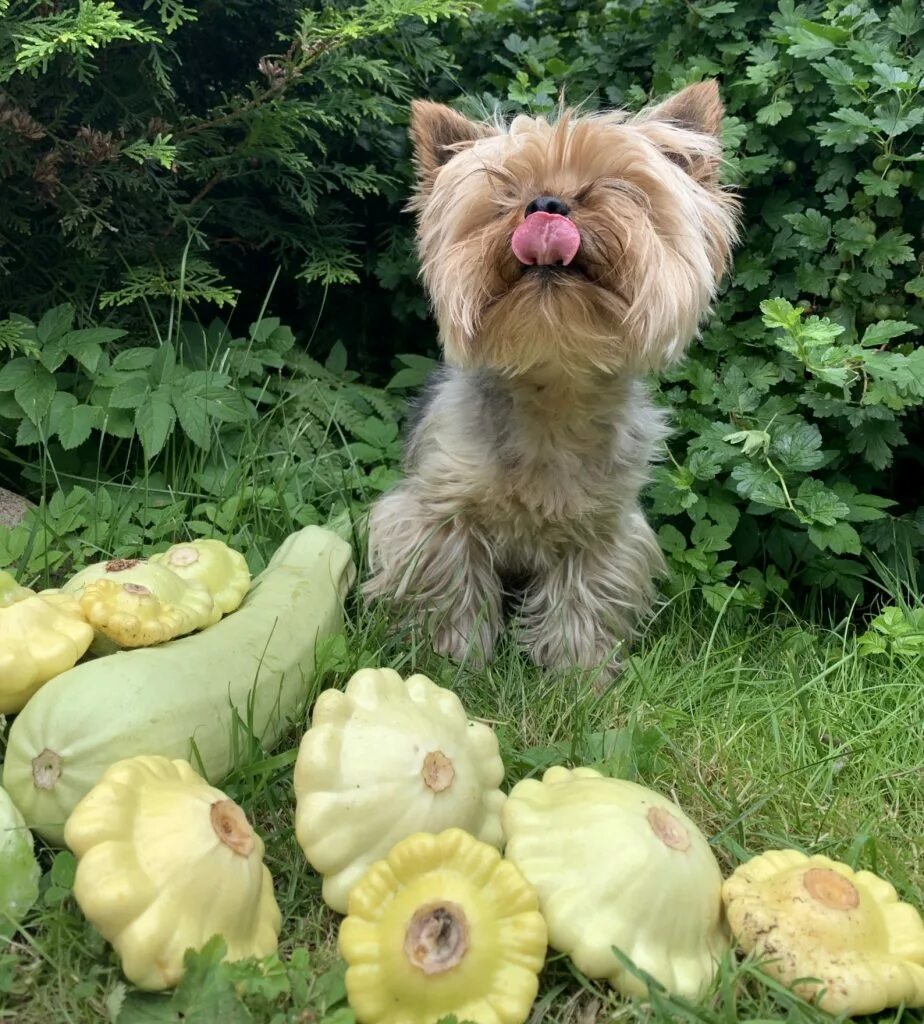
{"x": 385, "y": 759}
{"x": 816, "y": 918}
{"x": 166, "y": 861}
{"x": 134, "y": 603}
{"x": 616, "y": 864}
{"x": 220, "y": 569}
{"x": 41, "y": 636}
{"x": 442, "y": 926}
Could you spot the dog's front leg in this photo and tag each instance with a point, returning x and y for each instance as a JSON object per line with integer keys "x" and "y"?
{"x": 440, "y": 570}
{"x": 579, "y": 612}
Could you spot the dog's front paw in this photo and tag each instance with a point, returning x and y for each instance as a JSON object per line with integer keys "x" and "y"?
{"x": 467, "y": 639}
{"x": 559, "y": 653}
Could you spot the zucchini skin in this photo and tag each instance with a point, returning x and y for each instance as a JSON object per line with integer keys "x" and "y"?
{"x": 188, "y": 698}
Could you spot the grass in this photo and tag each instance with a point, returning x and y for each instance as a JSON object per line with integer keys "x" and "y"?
{"x": 769, "y": 733}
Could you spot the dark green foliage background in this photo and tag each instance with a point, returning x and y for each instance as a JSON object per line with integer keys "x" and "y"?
{"x": 148, "y": 152}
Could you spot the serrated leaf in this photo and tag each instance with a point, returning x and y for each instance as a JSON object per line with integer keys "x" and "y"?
{"x": 707, "y": 11}
{"x": 751, "y": 441}
{"x": 77, "y": 423}
{"x": 133, "y": 359}
{"x": 336, "y": 361}
{"x": 759, "y": 484}
{"x": 86, "y": 345}
{"x": 35, "y": 394}
{"x": 876, "y": 184}
{"x": 192, "y": 412}
{"x": 671, "y": 539}
{"x": 885, "y": 330}
{"x": 16, "y": 373}
{"x": 819, "y": 504}
{"x": 841, "y": 538}
{"x": 154, "y": 421}
{"x": 814, "y": 227}
{"x": 798, "y": 447}
{"x": 780, "y": 313}
{"x": 54, "y": 323}
{"x": 774, "y": 112}
{"x": 163, "y": 363}
{"x": 130, "y": 393}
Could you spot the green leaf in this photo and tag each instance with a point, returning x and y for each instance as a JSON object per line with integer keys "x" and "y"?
{"x": 205, "y": 994}
{"x": 814, "y": 227}
{"x": 774, "y": 112}
{"x": 671, "y": 539}
{"x": 841, "y": 539}
{"x": 36, "y": 393}
{"x": 193, "y": 414}
{"x": 163, "y": 363}
{"x": 758, "y": 484}
{"x": 877, "y": 184}
{"x": 707, "y": 11}
{"x": 55, "y": 323}
{"x": 77, "y": 423}
{"x": 336, "y": 362}
{"x": 86, "y": 345}
{"x": 133, "y": 359}
{"x": 780, "y": 313}
{"x": 819, "y": 504}
{"x": 751, "y": 441}
{"x": 885, "y": 330}
{"x": 17, "y": 372}
{"x": 130, "y": 393}
{"x": 154, "y": 421}
{"x": 798, "y": 447}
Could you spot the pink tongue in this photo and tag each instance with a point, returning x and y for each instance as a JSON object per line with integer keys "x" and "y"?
{"x": 546, "y": 239}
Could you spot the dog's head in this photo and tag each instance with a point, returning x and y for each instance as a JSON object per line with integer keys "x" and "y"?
{"x": 591, "y": 242}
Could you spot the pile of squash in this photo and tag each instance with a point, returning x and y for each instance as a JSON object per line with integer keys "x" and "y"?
{"x": 452, "y": 890}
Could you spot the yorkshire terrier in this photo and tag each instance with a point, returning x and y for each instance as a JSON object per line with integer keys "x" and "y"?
{"x": 564, "y": 261}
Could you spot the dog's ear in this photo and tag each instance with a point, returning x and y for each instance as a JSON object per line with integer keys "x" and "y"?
{"x": 697, "y": 108}
{"x": 437, "y": 131}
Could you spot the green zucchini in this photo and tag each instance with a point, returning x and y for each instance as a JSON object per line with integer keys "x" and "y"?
{"x": 186, "y": 699}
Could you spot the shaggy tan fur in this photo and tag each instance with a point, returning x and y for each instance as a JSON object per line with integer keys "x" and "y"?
{"x": 532, "y": 447}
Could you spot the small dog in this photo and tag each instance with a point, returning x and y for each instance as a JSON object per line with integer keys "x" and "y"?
{"x": 564, "y": 261}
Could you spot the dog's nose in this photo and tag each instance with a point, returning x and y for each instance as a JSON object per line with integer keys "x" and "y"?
{"x": 548, "y": 204}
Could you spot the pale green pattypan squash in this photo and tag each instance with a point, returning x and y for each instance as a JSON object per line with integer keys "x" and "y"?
{"x": 616, "y": 864}
{"x": 220, "y": 569}
{"x": 386, "y": 759}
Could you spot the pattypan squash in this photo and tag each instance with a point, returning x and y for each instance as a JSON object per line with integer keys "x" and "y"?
{"x": 816, "y": 918}
{"x": 41, "y": 636}
{"x": 19, "y": 870}
{"x": 220, "y": 569}
{"x": 164, "y": 862}
{"x": 11, "y": 591}
{"x": 134, "y": 603}
{"x": 442, "y": 926}
{"x": 382, "y": 760}
{"x": 616, "y": 864}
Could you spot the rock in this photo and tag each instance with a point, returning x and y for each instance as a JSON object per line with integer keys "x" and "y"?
{"x": 13, "y": 508}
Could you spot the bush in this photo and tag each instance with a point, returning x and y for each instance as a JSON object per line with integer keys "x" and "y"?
{"x": 208, "y": 434}
{"x": 798, "y": 456}
{"x": 152, "y": 148}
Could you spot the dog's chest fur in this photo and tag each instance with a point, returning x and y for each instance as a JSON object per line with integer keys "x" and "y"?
{"x": 534, "y": 465}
